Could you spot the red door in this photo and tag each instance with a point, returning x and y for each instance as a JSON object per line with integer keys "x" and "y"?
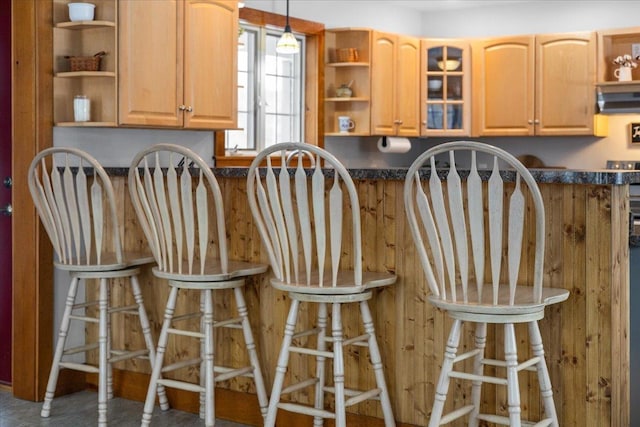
{"x": 5, "y": 192}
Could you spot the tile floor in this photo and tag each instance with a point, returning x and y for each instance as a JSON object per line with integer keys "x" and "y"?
{"x": 81, "y": 409}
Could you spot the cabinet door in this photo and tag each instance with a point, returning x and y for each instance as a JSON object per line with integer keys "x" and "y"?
{"x": 407, "y": 84}
{"x": 383, "y": 78}
{"x": 445, "y": 87}
{"x": 565, "y": 79}
{"x": 210, "y": 72}
{"x": 503, "y": 86}
{"x": 150, "y": 62}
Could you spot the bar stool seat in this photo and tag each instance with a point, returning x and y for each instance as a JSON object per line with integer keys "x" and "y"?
{"x": 452, "y": 230}
{"x": 73, "y": 215}
{"x": 179, "y": 205}
{"x": 302, "y": 228}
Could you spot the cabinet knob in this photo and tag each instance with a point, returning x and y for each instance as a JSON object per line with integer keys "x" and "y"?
{"x": 536, "y": 121}
{"x": 397, "y": 122}
{"x": 6, "y": 210}
{"x": 189, "y": 109}
{"x": 530, "y": 121}
{"x": 182, "y": 107}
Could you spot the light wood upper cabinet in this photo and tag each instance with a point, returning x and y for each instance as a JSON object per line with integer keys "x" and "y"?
{"x": 534, "y": 85}
{"x": 445, "y": 87}
{"x": 395, "y": 85}
{"x": 503, "y": 86}
{"x": 178, "y": 63}
{"x": 565, "y": 78}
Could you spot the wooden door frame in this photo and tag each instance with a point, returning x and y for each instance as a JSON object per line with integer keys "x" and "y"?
{"x": 32, "y": 131}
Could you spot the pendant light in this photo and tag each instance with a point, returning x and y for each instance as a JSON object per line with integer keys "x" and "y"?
{"x": 287, "y": 43}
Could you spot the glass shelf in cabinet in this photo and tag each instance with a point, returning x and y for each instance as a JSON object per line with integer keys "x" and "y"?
{"x": 343, "y": 99}
{"x": 348, "y": 64}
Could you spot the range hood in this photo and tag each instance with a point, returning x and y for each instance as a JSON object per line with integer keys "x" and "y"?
{"x": 618, "y": 97}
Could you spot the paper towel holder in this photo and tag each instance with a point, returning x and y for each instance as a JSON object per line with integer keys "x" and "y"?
{"x": 393, "y": 144}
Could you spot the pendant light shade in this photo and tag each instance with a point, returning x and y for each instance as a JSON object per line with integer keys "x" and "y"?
{"x": 287, "y": 43}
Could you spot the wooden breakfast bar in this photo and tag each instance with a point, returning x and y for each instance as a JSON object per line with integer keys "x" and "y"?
{"x": 586, "y": 337}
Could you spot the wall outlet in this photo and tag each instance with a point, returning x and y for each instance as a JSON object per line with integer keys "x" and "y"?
{"x": 635, "y": 50}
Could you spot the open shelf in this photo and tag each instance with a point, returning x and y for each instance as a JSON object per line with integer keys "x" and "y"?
{"x": 614, "y": 43}
{"x": 71, "y": 74}
{"x": 84, "y": 25}
{"x": 86, "y": 124}
{"x": 85, "y": 38}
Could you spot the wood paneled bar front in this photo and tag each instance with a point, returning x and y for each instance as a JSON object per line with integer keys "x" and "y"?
{"x": 586, "y": 338}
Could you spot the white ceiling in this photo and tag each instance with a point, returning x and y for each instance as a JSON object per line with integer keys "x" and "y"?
{"x": 431, "y": 5}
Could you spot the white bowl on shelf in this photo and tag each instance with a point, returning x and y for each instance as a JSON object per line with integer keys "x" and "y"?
{"x": 434, "y": 85}
{"x": 81, "y": 11}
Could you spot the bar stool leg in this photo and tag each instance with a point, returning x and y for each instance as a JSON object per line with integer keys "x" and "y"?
{"x": 202, "y": 410}
{"x": 157, "y": 365}
{"x": 62, "y": 340}
{"x": 283, "y": 361}
{"x": 478, "y": 369}
{"x": 376, "y": 362}
{"x": 109, "y": 367}
{"x": 103, "y": 368}
{"x": 209, "y": 380}
{"x": 338, "y": 365}
{"x": 320, "y": 362}
{"x": 543, "y": 373}
{"x": 263, "y": 400}
{"x": 447, "y": 366}
{"x": 513, "y": 390}
{"x": 148, "y": 339}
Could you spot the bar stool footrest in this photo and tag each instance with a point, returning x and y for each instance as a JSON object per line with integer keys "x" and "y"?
{"x": 372, "y": 394}
{"x": 80, "y": 367}
{"x": 228, "y": 373}
{"x": 497, "y": 419}
{"x": 185, "y": 333}
{"x": 126, "y": 355}
{"x": 299, "y": 385}
{"x": 454, "y": 415}
{"x": 182, "y": 385}
{"x": 474, "y": 377}
{"x": 311, "y": 352}
{"x": 81, "y": 349}
{"x": 181, "y": 364}
{"x": 84, "y": 318}
{"x": 127, "y": 309}
{"x": 307, "y": 410}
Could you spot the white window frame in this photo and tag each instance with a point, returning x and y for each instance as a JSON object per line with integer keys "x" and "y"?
{"x": 256, "y": 92}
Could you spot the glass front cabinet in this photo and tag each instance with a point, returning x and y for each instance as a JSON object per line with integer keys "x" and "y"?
{"x": 446, "y": 88}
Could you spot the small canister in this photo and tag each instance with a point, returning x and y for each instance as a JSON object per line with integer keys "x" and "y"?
{"x": 81, "y": 108}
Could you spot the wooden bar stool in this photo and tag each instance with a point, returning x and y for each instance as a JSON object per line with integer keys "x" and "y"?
{"x": 179, "y": 205}
{"x": 449, "y": 230}
{"x": 303, "y": 228}
{"x": 74, "y": 210}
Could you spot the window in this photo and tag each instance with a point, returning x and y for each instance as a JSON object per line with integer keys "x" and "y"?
{"x": 291, "y": 115}
{"x": 270, "y": 92}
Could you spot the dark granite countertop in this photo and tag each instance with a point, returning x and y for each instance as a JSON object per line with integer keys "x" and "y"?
{"x": 548, "y": 176}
